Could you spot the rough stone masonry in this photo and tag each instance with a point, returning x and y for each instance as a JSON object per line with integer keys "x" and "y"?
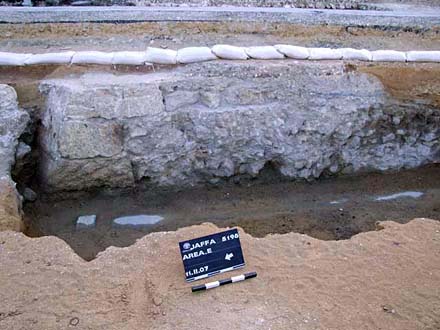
{"x": 13, "y": 122}
{"x": 210, "y": 121}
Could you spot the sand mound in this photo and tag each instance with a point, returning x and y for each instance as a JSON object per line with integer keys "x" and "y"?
{"x": 389, "y": 279}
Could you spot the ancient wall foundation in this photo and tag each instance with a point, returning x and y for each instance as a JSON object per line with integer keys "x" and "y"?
{"x": 215, "y": 120}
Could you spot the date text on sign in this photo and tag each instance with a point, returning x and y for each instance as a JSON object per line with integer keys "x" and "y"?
{"x": 210, "y": 255}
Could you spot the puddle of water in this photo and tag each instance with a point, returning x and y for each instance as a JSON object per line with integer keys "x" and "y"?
{"x": 137, "y": 220}
{"x": 405, "y": 194}
{"x": 260, "y": 209}
{"x": 340, "y": 201}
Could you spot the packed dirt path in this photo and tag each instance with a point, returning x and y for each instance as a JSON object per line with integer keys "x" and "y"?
{"x": 386, "y": 279}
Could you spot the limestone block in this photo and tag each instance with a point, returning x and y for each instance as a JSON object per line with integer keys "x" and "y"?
{"x": 79, "y": 139}
{"x": 110, "y": 102}
{"x": 181, "y": 98}
{"x": 78, "y": 174}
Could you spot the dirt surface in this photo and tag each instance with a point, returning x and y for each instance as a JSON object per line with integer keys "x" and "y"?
{"x": 42, "y": 38}
{"x": 408, "y": 83}
{"x": 329, "y": 209}
{"x": 388, "y": 279}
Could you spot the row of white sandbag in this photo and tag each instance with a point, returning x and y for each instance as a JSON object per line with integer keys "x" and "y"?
{"x": 200, "y": 54}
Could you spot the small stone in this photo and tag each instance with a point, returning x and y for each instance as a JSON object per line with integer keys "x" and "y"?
{"x": 29, "y": 195}
{"x": 388, "y": 309}
{"x": 157, "y": 301}
{"x": 22, "y": 150}
{"x": 74, "y": 321}
{"x": 388, "y": 138}
{"x": 334, "y": 168}
{"x": 86, "y": 221}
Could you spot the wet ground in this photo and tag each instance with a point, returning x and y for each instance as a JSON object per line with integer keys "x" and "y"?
{"x": 328, "y": 209}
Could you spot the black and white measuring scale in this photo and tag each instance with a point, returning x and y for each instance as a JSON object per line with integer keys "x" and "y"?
{"x": 211, "y": 255}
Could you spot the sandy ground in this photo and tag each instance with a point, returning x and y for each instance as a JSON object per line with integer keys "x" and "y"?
{"x": 387, "y": 279}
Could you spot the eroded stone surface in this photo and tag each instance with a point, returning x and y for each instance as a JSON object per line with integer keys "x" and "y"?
{"x": 211, "y": 121}
{"x": 13, "y": 122}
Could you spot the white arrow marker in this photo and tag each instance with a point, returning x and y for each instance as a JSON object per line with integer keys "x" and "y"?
{"x": 229, "y": 256}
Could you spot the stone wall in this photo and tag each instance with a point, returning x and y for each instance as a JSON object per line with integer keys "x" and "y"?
{"x": 13, "y": 122}
{"x": 206, "y": 122}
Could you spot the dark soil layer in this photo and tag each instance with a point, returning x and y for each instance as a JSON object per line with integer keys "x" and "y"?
{"x": 328, "y": 209}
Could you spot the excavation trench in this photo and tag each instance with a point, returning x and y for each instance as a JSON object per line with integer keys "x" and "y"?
{"x": 273, "y": 147}
{"x": 328, "y": 209}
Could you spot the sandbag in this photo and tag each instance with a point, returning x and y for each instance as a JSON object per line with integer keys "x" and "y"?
{"x": 129, "y": 58}
{"x": 423, "y": 56}
{"x": 50, "y": 58}
{"x": 92, "y": 57}
{"x": 388, "y": 56}
{"x": 13, "y": 58}
{"x": 300, "y": 53}
{"x": 195, "y": 54}
{"x": 230, "y": 52}
{"x": 161, "y": 56}
{"x": 356, "y": 54}
{"x": 325, "y": 54}
{"x": 264, "y": 53}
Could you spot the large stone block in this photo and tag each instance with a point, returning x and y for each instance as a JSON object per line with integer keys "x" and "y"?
{"x": 112, "y": 101}
{"x": 78, "y": 174}
{"x": 84, "y": 139}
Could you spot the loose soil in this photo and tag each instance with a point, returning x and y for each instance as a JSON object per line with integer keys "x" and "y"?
{"x": 387, "y": 279}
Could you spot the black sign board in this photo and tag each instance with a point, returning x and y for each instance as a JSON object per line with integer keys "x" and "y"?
{"x": 210, "y": 255}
